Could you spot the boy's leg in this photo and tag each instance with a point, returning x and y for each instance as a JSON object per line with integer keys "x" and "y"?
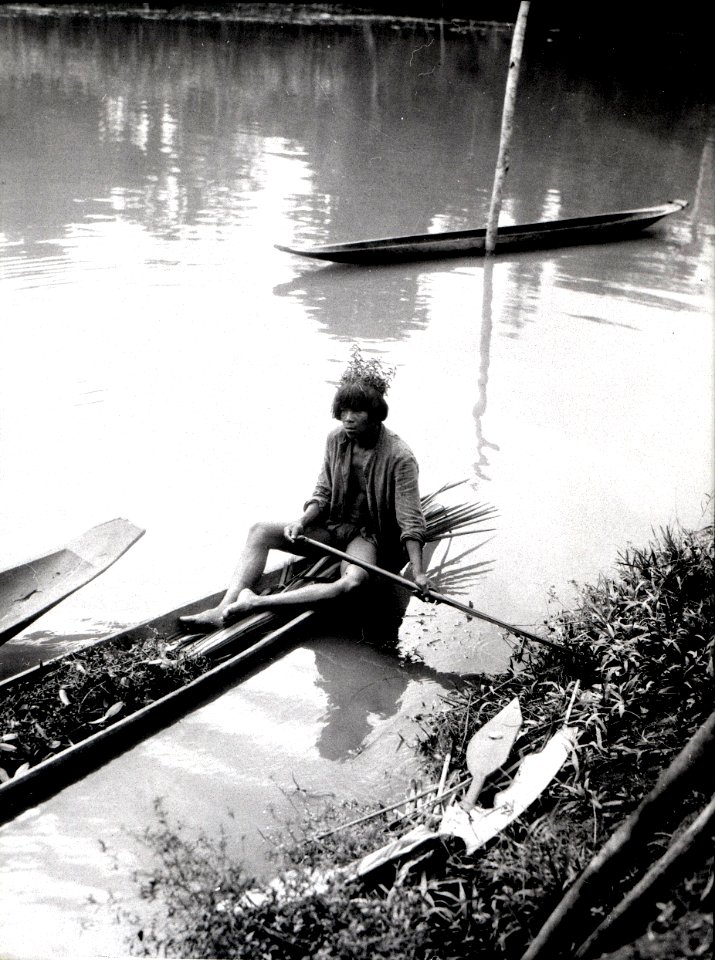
{"x": 351, "y": 578}
{"x": 262, "y": 537}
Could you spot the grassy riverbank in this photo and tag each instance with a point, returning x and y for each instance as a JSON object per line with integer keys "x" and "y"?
{"x": 641, "y": 646}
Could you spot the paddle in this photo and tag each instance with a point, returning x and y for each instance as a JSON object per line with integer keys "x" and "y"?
{"x": 486, "y": 752}
{"x": 428, "y": 594}
{"x": 489, "y": 748}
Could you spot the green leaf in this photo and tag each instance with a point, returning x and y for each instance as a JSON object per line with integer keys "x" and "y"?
{"x": 111, "y": 712}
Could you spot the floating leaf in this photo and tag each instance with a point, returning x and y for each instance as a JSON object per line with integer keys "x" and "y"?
{"x": 63, "y": 697}
{"x": 9, "y": 736}
{"x": 4, "y": 775}
{"x": 23, "y": 768}
{"x": 8, "y": 748}
{"x": 54, "y": 744}
{"x": 111, "y": 712}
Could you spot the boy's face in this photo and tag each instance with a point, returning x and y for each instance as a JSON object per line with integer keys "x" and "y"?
{"x": 356, "y": 423}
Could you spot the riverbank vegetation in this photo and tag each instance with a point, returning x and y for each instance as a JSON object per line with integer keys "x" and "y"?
{"x": 640, "y": 645}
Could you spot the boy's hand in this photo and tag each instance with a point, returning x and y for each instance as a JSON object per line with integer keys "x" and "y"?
{"x": 424, "y": 585}
{"x": 293, "y": 530}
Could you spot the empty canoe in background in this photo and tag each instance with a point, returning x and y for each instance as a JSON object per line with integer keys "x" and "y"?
{"x": 600, "y": 228}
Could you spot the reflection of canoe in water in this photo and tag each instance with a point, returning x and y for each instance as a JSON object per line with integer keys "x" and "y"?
{"x": 30, "y": 589}
{"x": 57, "y": 722}
{"x": 461, "y": 243}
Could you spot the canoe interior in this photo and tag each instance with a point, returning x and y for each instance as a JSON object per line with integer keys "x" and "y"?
{"x": 545, "y": 233}
{"x": 70, "y": 764}
{"x": 34, "y": 587}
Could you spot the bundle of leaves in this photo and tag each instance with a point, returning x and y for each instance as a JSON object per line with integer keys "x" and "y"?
{"x": 640, "y": 645}
{"x": 82, "y": 694}
{"x": 370, "y": 372}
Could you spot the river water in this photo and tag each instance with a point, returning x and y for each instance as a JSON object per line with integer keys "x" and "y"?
{"x": 160, "y": 360}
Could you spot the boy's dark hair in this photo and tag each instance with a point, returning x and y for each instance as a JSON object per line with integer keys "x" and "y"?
{"x": 356, "y": 395}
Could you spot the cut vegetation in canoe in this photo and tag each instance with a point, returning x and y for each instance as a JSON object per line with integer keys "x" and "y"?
{"x": 600, "y": 228}
{"x": 63, "y": 718}
{"x": 32, "y": 588}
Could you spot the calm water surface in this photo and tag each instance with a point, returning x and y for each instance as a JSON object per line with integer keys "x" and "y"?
{"x": 161, "y": 361}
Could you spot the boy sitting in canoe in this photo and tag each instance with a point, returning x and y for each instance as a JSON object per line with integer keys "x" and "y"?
{"x": 366, "y": 502}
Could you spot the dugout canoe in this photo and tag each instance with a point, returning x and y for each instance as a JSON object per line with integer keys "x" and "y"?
{"x": 32, "y": 588}
{"x": 230, "y": 653}
{"x": 258, "y": 636}
{"x": 227, "y": 655}
{"x": 600, "y": 228}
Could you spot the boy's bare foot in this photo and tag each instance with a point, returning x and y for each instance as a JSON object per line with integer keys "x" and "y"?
{"x": 205, "y": 621}
{"x": 244, "y": 603}
{"x": 219, "y": 617}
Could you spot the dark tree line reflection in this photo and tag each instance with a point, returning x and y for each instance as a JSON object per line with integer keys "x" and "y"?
{"x": 172, "y": 126}
{"x": 398, "y": 130}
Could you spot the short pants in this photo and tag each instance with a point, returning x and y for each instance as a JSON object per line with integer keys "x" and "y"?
{"x": 339, "y": 535}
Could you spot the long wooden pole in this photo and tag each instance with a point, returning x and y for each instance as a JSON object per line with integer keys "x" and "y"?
{"x": 430, "y": 594}
{"x": 631, "y": 914}
{"x": 507, "y": 126}
{"x": 626, "y": 845}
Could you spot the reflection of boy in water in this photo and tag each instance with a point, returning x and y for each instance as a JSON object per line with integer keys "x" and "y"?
{"x": 369, "y": 692}
{"x": 366, "y": 502}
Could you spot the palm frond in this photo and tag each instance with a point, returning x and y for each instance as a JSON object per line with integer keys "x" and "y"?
{"x": 459, "y": 581}
{"x": 452, "y": 521}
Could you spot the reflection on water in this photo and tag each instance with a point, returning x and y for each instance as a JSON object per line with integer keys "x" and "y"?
{"x": 160, "y": 360}
{"x": 349, "y": 301}
{"x": 360, "y": 693}
{"x": 485, "y": 339}
{"x": 187, "y": 134}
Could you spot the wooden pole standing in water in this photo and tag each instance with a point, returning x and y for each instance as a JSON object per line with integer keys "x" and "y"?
{"x": 507, "y": 123}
